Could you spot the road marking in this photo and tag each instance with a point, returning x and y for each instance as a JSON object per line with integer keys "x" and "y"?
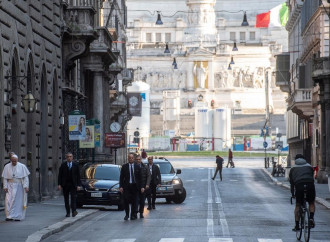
{"x": 222, "y": 216}
{"x": 269, "y": 240}
{"x": 122, "y": 240}
{"x": 189, "y": 180}
{"x": 172, "y": 240}
{"x": 204, "y": 180}
{"x": 210, "y": 224}
{"x": 220, "y": 240}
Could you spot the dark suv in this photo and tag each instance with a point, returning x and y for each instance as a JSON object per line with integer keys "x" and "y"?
{"x": 172, "y": 187}
{"x": 100, "y": 183}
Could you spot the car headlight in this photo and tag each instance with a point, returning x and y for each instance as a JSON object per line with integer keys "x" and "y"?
{"x": 115, "y": 188}
{"x": 176, "y": 181}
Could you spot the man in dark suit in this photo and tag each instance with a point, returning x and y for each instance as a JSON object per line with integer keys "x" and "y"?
{"x": 145, "y": 183}
{"x": 155, "y": 182}
{"x": 130, "y": 185}
{"x": 69, "y": 181}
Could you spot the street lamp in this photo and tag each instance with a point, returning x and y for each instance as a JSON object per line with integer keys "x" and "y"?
{"x": 159, "y": 20}
{"x": 29, "y": 103}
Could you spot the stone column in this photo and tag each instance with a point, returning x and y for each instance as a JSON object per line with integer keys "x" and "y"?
{"x": 190, "y": 76}
{"x": 211, "y": 76}
{"x": 98, "y": 106}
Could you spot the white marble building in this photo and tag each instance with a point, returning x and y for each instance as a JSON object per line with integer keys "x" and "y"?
{"x": 200, "y": 35}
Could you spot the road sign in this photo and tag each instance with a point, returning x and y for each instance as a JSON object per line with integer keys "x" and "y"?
{"x": 136, "y": 133}
{"x": 279, "y": 145}
{"x": 265, "y": 144}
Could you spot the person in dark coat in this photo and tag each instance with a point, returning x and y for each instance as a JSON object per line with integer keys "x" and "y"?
{"x": 130, "y": 185}
{"x": 219, "y": 161}
{"x": 145, "y": 183}
{"x": 155, "y": 182}
{"x": 69, "y": 181}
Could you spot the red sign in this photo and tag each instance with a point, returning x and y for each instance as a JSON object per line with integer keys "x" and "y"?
{"x": 115, "y": 140}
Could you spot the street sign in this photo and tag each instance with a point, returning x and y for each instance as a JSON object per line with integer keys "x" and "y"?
{"x": 136, "y": 133}
{"x": 279, "y": 135}
{"x": 279, "y": 145}
{"x": 265, "y": 144}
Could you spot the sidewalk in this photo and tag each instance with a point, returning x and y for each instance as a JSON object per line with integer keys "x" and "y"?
{"x": 322, "y": 190}
{"x": 42, "y": 220}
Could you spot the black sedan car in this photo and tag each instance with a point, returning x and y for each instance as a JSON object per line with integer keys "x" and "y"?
{"x": 100, "y": 185}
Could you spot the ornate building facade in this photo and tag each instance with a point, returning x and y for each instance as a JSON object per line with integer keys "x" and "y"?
{"x": 67, "y": 55}
{"x": 200, "y": 58}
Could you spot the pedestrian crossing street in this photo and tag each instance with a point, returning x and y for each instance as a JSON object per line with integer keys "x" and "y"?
{"x": 183, "y": 240}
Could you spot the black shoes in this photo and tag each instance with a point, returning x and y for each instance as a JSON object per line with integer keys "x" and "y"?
{"x": 126, "y": 217}
{"x": 295, "y": 229}
{"x": 311, "y": 223}
{"x": 149, "y": 208}
{"x": 67, "y": 215}
{"x": 133, "y": 217}
{"x": 9, "y": 219}
{"x": 213, "y": 178}
{"x": 74, "y": 213}
{"x": 153, "y": 207}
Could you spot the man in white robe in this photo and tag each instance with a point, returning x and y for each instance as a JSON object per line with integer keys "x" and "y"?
{"x": 16, "y": 185}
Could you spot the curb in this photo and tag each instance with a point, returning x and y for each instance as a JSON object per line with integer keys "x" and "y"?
{"x": 59, "y": 226}
{"x": 317, "y": 199}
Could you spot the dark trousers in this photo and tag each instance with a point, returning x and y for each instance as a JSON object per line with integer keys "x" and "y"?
{"x": 130, "y": 198}
{"x": 230, "y": 161}
{"x": 218, "y": 169}
{"x": 68, "y": 190}
{"x": 151, "y": 195}
{"x": 140, "y": 202}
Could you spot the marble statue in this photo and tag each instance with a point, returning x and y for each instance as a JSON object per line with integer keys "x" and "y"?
{"x": 201, "y": 74}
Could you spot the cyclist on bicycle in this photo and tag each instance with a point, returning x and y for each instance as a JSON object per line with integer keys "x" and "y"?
{"x": 302, "y": 174}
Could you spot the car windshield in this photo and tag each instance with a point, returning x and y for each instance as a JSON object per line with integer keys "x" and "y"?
{"x": 102, "y": 173}
{"x": 165, "y": 168}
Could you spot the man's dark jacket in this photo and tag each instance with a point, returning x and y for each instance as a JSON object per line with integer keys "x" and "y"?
{"x": 64, "y": 174}
{"x": 145, "y": 175}
{"x": 125, "y": 176}
{"x": 156, "y": 177}
{"x": 301, "y": 172}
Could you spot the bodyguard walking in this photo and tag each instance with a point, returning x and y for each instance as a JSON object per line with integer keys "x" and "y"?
{"x": 130, "y": 185}
{"x": 69, "y": 181}
{"x": 145, "y": 183}
{"x": 219, "y": 161}
{"x": 155, "y": 182}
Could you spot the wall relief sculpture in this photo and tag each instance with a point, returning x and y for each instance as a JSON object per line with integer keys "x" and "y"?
{"x": 239, "y": 77}
{"x": 166, "y": 80}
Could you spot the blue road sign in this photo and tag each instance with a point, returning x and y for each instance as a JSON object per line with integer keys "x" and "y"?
{"x": 265, "y": 144}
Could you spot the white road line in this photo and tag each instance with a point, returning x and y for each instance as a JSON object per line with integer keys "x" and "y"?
{"x": 222, "y": 216}
{"x": 121, "y": 240}
{"x": 269, "y": 240}
{"x": 220, "y": 240}
{"x": 171, "y": 240}
{"x": 210, "y": 224}
{"x": 204, "y": 180}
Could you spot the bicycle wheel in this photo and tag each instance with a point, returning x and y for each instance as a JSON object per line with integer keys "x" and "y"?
{"x": 307, "y": 229}
{"x": 301, "y": 224}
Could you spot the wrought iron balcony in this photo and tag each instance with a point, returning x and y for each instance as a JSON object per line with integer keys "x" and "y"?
{"x": 321, "y": 68}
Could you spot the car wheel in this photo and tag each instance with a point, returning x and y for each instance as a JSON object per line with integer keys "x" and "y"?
{"x": 168, "y": 200}
{"x": 80, "y": 205}
{"x": 180, "y": 198}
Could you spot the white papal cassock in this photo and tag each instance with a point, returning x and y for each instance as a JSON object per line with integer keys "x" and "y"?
{"x": 15, "y": 179}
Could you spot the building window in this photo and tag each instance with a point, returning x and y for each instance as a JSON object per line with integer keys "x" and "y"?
{"x": 148, "y": 37}
{"x": 252, "y": 35}
{"x": 242, "y": 36}
{"x": 158, "y": 37}
{"x": 168, "y": 37}
{"x": 232, "y": 36}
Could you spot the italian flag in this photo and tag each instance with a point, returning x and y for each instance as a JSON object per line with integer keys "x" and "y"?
{"x": 276, "y": 17}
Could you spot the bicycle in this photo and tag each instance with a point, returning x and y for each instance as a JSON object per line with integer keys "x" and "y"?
{"x": 303, "y": 218}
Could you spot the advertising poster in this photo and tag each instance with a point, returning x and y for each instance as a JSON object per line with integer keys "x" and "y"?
{"x": 88, "y": 142}
{"x": 77, "y": 127}
{"x": 134, "y": 101}
{"x": 97, "y": 132}
{"x": 115, "y": 140}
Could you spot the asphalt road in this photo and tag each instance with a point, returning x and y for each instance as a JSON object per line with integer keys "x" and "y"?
{"x": 245, "y": 207}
